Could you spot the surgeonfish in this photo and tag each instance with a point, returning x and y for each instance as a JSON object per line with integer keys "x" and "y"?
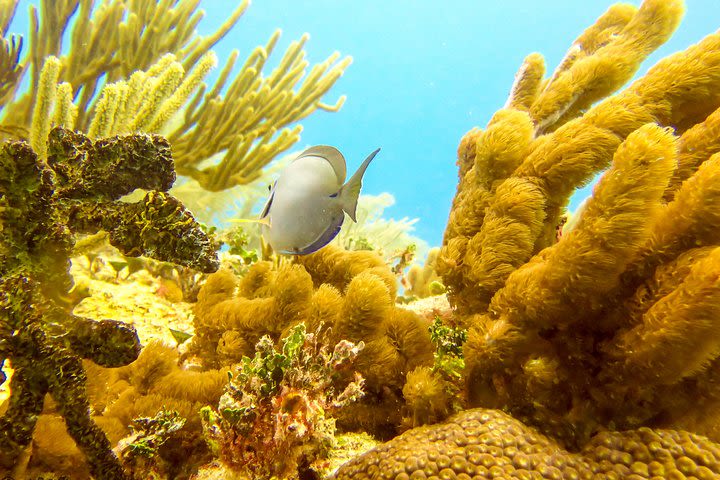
{"x": 308, "y": 202}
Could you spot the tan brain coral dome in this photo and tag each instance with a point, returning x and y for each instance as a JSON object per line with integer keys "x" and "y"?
{"x": 480, "y": 444}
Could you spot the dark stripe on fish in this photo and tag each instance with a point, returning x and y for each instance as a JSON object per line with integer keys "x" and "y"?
{"x": 326, "y": 237}
{"x": 268, "y": 204}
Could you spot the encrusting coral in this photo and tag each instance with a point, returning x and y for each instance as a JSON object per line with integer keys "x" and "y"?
{"x": 605, "y": 337}
{"x": 44, "y": 204}
{"x": 147, "y": 77}
{"x": 481, "y": 443}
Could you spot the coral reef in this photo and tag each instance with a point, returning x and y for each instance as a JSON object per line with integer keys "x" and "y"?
{"x": 604, "y": 338}
{"x": 371, "y": 231}
{"x": 147, "y": 77}
{"x": 349, "y": 294}
{"x": 613, "y": 324}
{"x": 275, "y": 419}
{"x": 422, "y": 281}
{"x": 593, "y": 353}
{"x": 482, "y": 443}
{"x": 44, "y": 205}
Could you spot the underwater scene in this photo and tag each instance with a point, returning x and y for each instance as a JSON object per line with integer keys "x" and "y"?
{"x": 359, "y": 240}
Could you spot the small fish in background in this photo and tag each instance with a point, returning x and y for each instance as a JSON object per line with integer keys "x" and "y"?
{"x": 308, "y": 202}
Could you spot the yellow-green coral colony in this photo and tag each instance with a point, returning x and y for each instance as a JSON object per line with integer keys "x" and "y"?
{"x": 45, "y": 204}
{"x": 148, "y": 77}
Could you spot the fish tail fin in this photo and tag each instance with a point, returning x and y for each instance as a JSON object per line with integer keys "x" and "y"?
{"x": 349, "y": 193}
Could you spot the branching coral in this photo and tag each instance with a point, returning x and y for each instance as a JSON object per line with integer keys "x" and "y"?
{"x": 614, "y": 325}
{"x": 147, "y": 77}
{"x": 43, "y": 205}
{"x": 523, "y": 180}
{"x": 10, "y": 47}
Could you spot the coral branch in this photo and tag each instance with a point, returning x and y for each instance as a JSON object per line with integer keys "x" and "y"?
{"x": 139, "y": 68}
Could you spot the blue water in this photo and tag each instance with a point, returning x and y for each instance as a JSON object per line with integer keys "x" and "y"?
{"x": 424, "y": 73}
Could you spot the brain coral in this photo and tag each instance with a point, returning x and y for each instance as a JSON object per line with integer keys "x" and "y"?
{"x": 481, "y": 443}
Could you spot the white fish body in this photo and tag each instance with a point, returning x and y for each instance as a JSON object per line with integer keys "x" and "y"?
{"x": 305, "y": 209}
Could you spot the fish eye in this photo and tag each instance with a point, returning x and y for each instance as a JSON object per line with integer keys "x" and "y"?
{"x": 269, "y": 187}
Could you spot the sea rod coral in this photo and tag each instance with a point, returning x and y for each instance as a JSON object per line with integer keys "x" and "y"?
{"x": 148, "y": 77}
{"x": 606, "y": 338}
{"x": 43, "y": 206}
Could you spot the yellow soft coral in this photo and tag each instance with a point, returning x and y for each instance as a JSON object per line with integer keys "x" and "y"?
{"x": 147, "y": 76}
{"x": 604, "y": 58}
{"x": 348, "y": 295}
{"x": 677, "y": 92}
{"x": 613, "y": 322}
{"x": 684, "y": 322}
{"x": 696, "y": 145}
{"x": 577, "y": 272}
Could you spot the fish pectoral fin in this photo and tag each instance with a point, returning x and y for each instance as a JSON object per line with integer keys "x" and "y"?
{"x": 350, "y": 192}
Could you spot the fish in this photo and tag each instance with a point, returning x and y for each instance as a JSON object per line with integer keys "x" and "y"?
{"x": 308, "y": 202}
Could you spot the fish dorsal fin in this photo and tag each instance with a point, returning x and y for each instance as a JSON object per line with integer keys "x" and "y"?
{"x": 332, "y": 155}
{"x": 350, "y": 192}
